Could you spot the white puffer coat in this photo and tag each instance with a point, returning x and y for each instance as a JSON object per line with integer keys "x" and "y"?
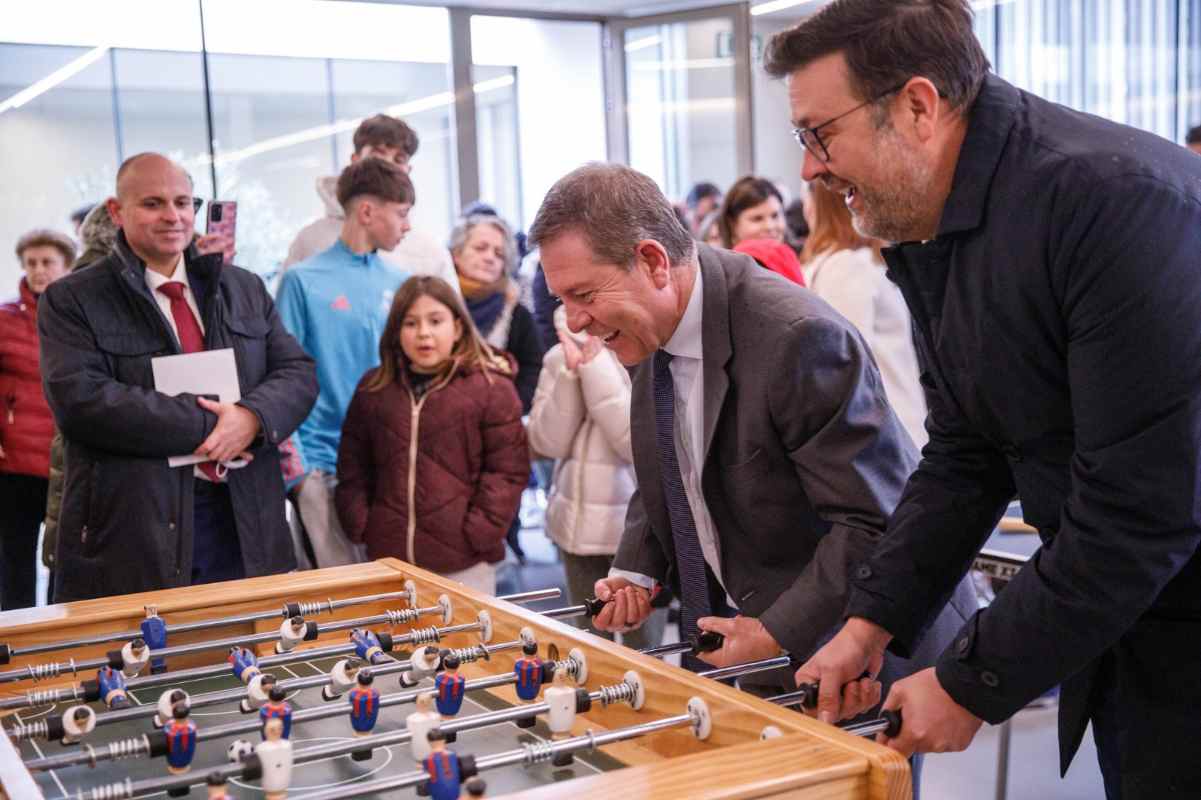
{"x": 582, "y": 419}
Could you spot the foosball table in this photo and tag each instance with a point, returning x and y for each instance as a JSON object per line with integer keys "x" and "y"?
{"x": 383, "y": 680}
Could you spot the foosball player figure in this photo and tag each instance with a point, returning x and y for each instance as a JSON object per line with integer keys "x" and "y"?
{"x": 530, "y": 674}
{"x": 421, "y": 722}
{"x": 181, "y": 740}
{"x": 78, "y": 722}
{"x": 244, "y": 663}
{"x": 134, "y": 656}
{"x": 367, "y": 646}
{"x": 277, "y": 708}
{"x": 341, "y": 678}
{"x": 112, "y": 687}
{"x": 423, "y": 664}
{"x": 475, "y": 787}
{"x": 154, "y": 634}
{"x": 258, "y": 692}
{"x": 291, "y": 633}
{"x": 450, "y": 685}
{"x": 165, "y": 708}
{"x": 275, "y": 756}
{"x": 445, "y": 768}
{"x": 218, "y": 787}
{"x": 560, "y": 699}
{"x": 364, "y": 710}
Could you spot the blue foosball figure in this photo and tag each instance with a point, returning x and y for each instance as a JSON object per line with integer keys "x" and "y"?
{"x": 181, "y": 740}
{"x": 112, "y": 687}
{"x": 450, "y": 685}
{"x": 445, "y": 769}
{"x": 529, "y": 672}
{"x": 244, "y": 663}
{"x": 367, "y": 646}
{"x": 279, "y": 707}
{"x": 154, "y": 633}
{"x": 364, "y": 704}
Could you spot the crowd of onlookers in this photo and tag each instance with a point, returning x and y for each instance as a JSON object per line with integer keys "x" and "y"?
{"x": 422, "y": 383}
{"x": 426, "y": 359}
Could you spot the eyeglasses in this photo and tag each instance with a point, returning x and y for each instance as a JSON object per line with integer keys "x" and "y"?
{"x": 809, "y": 138}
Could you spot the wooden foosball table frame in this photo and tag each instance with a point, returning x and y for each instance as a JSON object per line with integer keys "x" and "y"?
{"x": 808, "y": 760}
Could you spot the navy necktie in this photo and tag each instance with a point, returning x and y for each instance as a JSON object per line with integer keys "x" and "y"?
{"x": 690, "y": 560}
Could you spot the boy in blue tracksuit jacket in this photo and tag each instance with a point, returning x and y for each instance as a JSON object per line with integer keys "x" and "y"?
{"x": 336, "y": 305}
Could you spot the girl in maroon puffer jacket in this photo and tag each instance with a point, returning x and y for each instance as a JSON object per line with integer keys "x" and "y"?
{"x": 434, "y": 458}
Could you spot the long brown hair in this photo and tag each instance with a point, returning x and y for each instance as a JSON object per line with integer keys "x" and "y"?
{"x": 832, "y": 228}
{"x": 469, "y": 351}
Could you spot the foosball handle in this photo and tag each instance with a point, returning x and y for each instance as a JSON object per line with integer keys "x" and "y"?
{"x": 811, "y": 691}
{"x": 6, "y": 654}
{"x": 893, "y": 715}
{"x": 594, "y": 606}
{"x": 707, "y": 642}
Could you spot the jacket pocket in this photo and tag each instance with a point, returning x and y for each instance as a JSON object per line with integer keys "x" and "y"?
{"x": 249, "y": 338}
{"x": 130, "y": 354}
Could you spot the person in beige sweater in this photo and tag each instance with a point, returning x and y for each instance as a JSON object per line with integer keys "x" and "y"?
{"x": 581, "y": 417}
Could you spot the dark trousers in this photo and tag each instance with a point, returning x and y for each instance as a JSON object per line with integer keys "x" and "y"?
{"x": 22, "y": 509}
{"x": 216, "y": 551}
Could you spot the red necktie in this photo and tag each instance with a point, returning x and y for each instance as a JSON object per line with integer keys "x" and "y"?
{"x": 191, "y": 340}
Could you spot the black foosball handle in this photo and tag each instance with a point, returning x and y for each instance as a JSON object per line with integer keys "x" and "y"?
{"x": 707, "y": 642}
{"x": 594, "y": 605}
{"x": 893, "y": 717}
{"x": 811, "y": 691}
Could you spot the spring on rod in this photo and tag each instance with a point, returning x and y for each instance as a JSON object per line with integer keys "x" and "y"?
{"x": 45, "y": 672}
{"x": 618, "y": 693}
{"x": 113, "y": 791}
{"x": 402, "y": 616}
{"x": 425, "y": 636}
{"x": 308, "y": 609}
{"x": 24, "y": 731}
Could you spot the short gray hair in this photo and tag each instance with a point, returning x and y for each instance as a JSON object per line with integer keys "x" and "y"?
{"x": 462, "y": 230}
{"x": 614, "y": 208}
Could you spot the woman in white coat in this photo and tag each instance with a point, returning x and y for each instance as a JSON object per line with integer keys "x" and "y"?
{"x": 846, "y": 270}
{"x": 581, "y": 417}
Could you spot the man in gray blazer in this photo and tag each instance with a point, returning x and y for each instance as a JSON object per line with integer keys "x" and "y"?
{"x": 767, "y": 456}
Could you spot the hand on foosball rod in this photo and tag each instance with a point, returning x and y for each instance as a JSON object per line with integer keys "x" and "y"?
{"x": 934, "y": 722}
{"x": 744, "y": 639}
{"x": 626, "y": 606}
{"x": 838, "y": 668}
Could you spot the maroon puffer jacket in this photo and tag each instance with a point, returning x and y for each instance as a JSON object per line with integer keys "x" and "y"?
{"x": 459, "y": 458}
{"x": 26, "y": 425}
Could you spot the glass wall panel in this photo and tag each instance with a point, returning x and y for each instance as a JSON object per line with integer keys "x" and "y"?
{"x": 680, "y": 109}
{"x": 551, "y": 87}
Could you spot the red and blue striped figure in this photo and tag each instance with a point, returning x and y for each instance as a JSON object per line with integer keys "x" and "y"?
{"x": 244, "y": 663}
{"x": 443, "y": 767}
{"x": 367, "y": 646}
{"x": 450, "y": 685}
{"x": 112, "y": 687}
{"x": 276, "y": 706}
{"x": 181, "y": 740}
{"x": 154, "y": 634}
{"x": 529, "y": 672}
{"x": 364, "y": 704}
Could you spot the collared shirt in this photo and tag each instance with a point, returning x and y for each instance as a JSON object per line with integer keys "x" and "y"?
{"x": 179, "y": 274}
{"x": 686, "y": 346}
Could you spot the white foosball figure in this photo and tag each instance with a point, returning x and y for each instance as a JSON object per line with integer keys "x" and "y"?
{"x": 166, "y": 705}
{"x": 425, "y": 663}
{"x": 258, "y": 692}
{"x": 275, "y": 755}
{"x": 561, "y": 705}
{"x": 78, "y": 722}
{"x": 291, "y": 633}
{"x": 421, "y": 722}
{"x": 134, "y": 657}
{"x": 342, "y": 678}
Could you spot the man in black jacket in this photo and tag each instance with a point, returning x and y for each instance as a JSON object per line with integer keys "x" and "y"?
{"x": 1049, "y": 259}
{"x": 129, "y": 522}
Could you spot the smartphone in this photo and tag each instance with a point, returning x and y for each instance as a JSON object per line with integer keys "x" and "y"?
{"x": 223, "y": 219}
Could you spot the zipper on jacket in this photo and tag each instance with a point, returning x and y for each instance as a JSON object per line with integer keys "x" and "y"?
{"x": 414, "y": 423}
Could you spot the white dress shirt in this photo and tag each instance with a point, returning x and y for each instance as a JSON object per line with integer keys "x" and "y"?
{"x": 180, "y": 275}
{"x": 687, "y": 376}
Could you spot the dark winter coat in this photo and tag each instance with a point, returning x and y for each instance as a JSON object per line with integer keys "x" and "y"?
{"x": 126, "y": 521}
{"x": 438, "y": 481}
{"x": 25, "y": 422}
{"x": 1058, "y": 323}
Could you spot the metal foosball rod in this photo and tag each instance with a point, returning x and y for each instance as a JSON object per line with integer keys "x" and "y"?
{"x": 629, "y": 691}
{"x": 38, "y": 672}
{"x": 153, "y": 744}
{"x": 889, "y": 722}
{"x": 290, "y": 609}
{"x": 87, "y": 691}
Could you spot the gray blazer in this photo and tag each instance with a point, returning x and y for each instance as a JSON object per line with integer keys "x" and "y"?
{"x": 805, "y": 460}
